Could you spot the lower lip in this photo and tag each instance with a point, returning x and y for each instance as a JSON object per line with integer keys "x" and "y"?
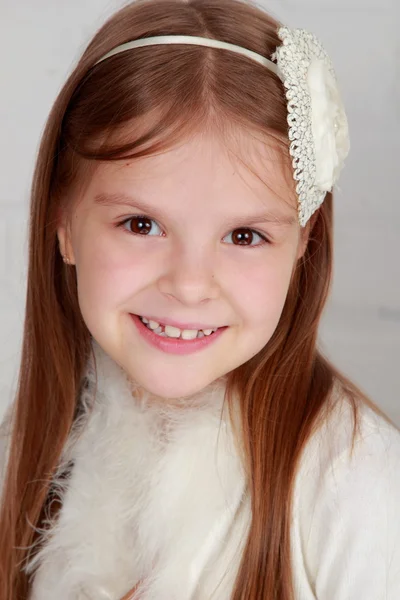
{"x": 176, "y": 345}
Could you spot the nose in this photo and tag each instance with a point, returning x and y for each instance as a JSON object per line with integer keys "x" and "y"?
{"x": 189, "y": 277}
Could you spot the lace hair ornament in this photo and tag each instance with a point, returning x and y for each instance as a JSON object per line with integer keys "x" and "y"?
{"x": 318, "y": 128}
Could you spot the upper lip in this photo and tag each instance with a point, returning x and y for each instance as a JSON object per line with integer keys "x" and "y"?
{"x": 173, "y": 323}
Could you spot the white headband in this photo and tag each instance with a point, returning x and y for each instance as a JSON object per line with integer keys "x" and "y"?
{"x": 318, "y": 129}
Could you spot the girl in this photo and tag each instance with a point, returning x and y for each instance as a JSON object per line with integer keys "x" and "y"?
{"x": 176, "y": 433}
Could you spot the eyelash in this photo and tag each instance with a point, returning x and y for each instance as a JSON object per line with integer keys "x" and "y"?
{"x": 121, "y": 224}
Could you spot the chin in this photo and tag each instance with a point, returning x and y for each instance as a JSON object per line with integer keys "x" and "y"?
{"x": 167, "y": 386}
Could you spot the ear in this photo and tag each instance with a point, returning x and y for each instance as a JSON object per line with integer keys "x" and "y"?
{"x": 305, "y": 235}
{"x": 64, "y": 240}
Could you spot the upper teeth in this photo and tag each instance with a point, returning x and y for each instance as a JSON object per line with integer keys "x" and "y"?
{"x": 175, "y": 332}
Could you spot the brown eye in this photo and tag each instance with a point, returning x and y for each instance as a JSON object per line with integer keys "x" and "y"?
{"x": 245, "y": 237}
{"x": 139, "y": 225}
{"x": 242, "y": 236}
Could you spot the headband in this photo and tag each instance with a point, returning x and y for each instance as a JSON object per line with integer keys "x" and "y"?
{"x": 318, "y": 128}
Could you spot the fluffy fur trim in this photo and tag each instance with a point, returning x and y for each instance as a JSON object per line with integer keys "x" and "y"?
{"x": 156, "y": 495}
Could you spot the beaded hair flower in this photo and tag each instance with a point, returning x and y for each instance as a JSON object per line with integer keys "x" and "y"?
{"x": 318, "y": 128}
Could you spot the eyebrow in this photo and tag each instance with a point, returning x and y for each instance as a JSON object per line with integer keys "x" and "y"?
{"x": 120, "y": 199}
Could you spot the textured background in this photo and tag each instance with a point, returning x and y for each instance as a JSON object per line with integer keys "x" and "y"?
{"x": 41, "y": 40}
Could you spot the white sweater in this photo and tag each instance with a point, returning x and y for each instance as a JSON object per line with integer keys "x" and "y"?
{"x": 158, "y": 494}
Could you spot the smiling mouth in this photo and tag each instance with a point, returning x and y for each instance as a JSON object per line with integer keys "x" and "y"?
{"x": 174, "y": 332}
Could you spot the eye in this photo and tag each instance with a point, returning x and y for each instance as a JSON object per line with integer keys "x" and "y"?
{"x": 142, "y": 225}
{"x": 244, "y": 237}
{"x": 139, "y": 225}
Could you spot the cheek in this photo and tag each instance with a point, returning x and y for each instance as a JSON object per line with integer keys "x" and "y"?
{"x": 263, "y": 295}
{"x": 261, "y": 306}
{"x": 109, "y": 271}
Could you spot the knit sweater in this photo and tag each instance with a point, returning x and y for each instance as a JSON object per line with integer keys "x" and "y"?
{"x": 157, "y": 495}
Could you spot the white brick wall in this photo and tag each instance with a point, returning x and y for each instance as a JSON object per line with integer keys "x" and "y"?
{"x": 39, "y": 43}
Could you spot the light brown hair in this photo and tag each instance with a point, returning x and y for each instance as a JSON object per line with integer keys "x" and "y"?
{"x": 284, "y": 387}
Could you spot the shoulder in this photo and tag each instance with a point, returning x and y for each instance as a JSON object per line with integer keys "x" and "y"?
{"x": 334, "y": 450}
{"x": 346, "y": 507}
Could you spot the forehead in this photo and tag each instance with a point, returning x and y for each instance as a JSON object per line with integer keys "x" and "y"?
{"x": 207, "y": 169}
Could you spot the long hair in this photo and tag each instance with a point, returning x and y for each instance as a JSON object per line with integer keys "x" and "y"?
{"x": 164, "y": 93}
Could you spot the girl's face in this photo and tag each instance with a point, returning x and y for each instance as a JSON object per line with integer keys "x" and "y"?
{"x": 200, "y": 261}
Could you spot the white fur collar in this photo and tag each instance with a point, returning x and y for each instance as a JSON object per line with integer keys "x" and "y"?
{"x": 155, "y": 494}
